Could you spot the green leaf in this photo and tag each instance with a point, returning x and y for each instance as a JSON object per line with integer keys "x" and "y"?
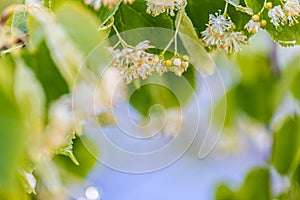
{"x": 255, "y": 5}
{"x": 240, "y": 8}
{"x": 168, "y": 91}
{"x": 198, "y": 55}
{"x": 68, "y": 149}
{"x": 129, "y": 17}
{"x": 286, "y": 146}
{"x": 256, "y": 186}
{"x": 106, "y": 13}
{"x": 296, "y": 86}
{"x": 286, "y": 35}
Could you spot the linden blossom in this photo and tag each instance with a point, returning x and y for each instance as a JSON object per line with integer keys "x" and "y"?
{"x": 134, "y": 62}
{"x": 277, "y": 16}
{"x": 110, "y": 3}
{"x": 157, "y": 7}
{"x": 289, "y": 13}
{"x": 220, "y": 23}
{"x": 292, "y": 9}
{"x": 252, "y": 26}
{"x": 219, "y": 34}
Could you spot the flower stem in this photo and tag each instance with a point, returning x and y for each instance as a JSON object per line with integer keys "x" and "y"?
{"x": 124, "y": 44}
{"x": 263, "y": 8}
{"x": 174, "y": 38}
{"x": 226, "y": 8}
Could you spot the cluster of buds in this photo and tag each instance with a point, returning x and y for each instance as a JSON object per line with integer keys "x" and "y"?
{"x": 157, "y": 7}
{"x": 254, "y": 24}
{"x": 134, "y": 62}
{"x": 177, "y": 64}
{"x": 285, "y": 14}
{"x": 220, "y": 34}
{"x": 107, "y": 3}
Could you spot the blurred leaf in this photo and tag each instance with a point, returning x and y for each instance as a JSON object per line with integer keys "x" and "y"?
{"x": 6, "y": 3}
{"x": 198, "y": 55}
{"x": 68, "y": 59}
{"x": 49, "y": 176}
{"x": 19, "y": 24}
{"x": 7, "y": 68}
{"x": 286, "y": 146}
{"x": 29, "y": 182}
{"x": 83, "y": 30}
{"x": 231, "y": 109}
{"x": 223, "y": 192}
{"x": 296, "y": 86}
{"x": 256, "y": 186}
{"x": 254, "y": 95}
{"x": 44, "y": 68}
{"x": 284, "y": 84}
{"x": 13, "y": 134}
{"x": 36, "y": 33}
{"x": 106, "y": 119}
{"x": 85, "y": 159}
{"x": 30, "y": 96}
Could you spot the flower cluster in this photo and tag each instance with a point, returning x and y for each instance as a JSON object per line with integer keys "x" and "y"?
{"x": 110, "y": 3}
{"x": 220, "y": 34}
{"x": 135, "y": 62}
{"x": 286, "y": 14}
{"x": 157, "y": 7}
{"x": 177, "y": 64}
